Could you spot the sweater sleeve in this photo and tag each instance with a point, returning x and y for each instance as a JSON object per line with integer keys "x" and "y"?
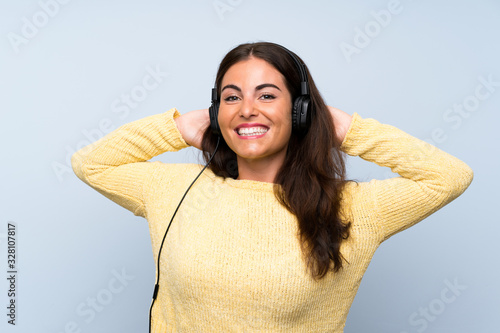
{"x": 429, "y": 178}
{"x": 116, "y": 165}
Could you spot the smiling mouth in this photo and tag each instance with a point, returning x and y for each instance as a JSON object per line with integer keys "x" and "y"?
{"x": 251, "y": 131}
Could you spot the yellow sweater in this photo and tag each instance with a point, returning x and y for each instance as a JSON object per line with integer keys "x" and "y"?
{"x": 231, "y": 261}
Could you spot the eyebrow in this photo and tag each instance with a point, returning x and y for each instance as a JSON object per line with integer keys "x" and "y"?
{"x": 259, "y": 87}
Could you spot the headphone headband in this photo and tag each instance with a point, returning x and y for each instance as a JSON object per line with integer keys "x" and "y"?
{"x": 304, "y": 84}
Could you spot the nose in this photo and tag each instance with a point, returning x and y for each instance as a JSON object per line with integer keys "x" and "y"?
{"x": 248, "y": 108}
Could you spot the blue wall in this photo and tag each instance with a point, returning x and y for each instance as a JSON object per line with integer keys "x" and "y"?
{"x": 71, "y": 71}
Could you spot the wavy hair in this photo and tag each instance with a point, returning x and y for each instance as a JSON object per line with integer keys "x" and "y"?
{"x": 311, "y": 180}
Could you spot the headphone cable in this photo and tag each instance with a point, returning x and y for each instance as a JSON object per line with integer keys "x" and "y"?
{"x": 157, "y": 286}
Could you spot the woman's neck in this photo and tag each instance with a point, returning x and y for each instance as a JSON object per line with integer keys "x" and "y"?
{"x": 262, "y": 170}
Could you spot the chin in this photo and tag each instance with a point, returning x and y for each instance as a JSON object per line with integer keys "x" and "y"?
{"x": 250, "y": 156}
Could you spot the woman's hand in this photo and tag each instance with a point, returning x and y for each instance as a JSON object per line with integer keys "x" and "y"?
{"x": 192, "y": 125}
{"x": 341, "y": 121}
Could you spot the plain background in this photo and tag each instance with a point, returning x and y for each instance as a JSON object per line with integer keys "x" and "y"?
{"x": 66, "y": 69}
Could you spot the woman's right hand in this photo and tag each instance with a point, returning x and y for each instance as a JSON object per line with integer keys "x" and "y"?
{"x": 341, "y": 122}
{"x": 192, "y": 125}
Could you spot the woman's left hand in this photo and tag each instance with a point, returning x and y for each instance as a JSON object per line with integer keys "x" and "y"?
{"x": 341, "y": 122}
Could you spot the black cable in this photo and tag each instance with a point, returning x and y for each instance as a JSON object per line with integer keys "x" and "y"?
{"x": 157, "y": 286}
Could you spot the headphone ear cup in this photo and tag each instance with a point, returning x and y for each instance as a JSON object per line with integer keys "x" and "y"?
{"x": 213, "y": 112}
{"x": 301, "y": 115}
{"x": 295, "y": 111}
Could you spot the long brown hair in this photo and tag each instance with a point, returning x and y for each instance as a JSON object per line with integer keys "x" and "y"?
{"x": 312, "y": 177}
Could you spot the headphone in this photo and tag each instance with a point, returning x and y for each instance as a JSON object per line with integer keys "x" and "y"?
{"x": 301, "y": 120}
{"x": 301, "y": 115}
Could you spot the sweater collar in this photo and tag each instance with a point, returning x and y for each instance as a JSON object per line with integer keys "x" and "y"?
{"x": 241, "y": 183}
{"x": 250, "y": 184}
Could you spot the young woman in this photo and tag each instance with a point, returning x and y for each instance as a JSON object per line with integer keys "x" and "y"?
{"x": 272, "y": 236}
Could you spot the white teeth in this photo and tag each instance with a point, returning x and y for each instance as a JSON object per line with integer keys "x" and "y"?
{"x": 248, "y": 131}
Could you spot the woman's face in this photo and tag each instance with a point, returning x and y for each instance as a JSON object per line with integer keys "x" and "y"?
{"x": 255, "y": 111}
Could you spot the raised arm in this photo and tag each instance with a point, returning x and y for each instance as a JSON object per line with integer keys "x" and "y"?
{"x": 116, "y": 165}
{"x": 429, "y": 177}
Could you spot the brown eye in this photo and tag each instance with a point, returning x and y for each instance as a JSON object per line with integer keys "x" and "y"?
{"x": 231, "y": 98}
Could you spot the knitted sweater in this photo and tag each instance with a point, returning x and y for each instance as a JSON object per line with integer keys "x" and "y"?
{"x": 231, "y": 261}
